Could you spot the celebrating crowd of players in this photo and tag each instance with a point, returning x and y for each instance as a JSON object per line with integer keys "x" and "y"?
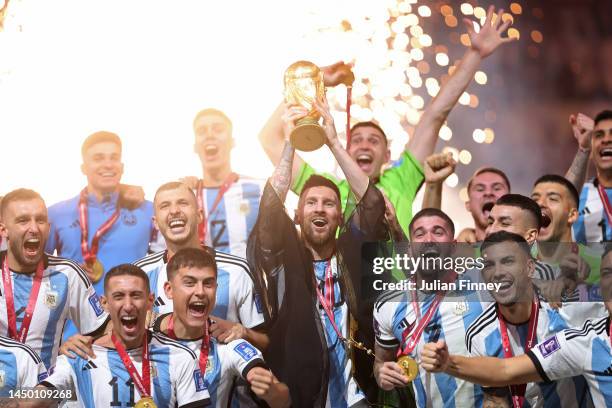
{"x": 213, "y": 295}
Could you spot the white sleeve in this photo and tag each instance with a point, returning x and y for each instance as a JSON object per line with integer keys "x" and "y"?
{"x": 562, "y": 355}
{"x": 383, "y": 325}
{"x": 243, "y": 356}
{"x": 31, "y": 372}
{"x": 60, "y": 376}
{"x": 85, "y": 308}
{"x": 191, "y": 390}
{"x": 248, "y": 302}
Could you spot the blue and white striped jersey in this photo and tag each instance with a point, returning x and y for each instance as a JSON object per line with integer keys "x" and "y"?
{"x": 20, "y": 366}
{"x": 592, "y": 225}
{"x": 342, "y": 389}
{"x": 395, "y": 320}
{"x": 65, "y": 292}
{"x": 104, "y": 381}
{"x": 226, "y": 362}
{"x": 483, "y": 338}
{"x": 236, "y": 301}
{"x": 581, "y": 351}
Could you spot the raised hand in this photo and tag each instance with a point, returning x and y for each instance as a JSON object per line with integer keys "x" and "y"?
{"x": 328, "y": 121}
{"x": 291, "y": 115}
{"x": 79, "y": 345}
{"x": 438, "y": 167}
{"x": 338, "y": 73}
{"x": 582, "y": 126}
{"x": 489, "y": 37}
{"x": 435, "y": 357}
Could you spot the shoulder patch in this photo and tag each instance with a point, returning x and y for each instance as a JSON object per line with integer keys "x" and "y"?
{"x": 94, "y": 301}
{"x": 245, "y": 350}
{"x": 549, "y": 346}
{"x": 42, "y": 376}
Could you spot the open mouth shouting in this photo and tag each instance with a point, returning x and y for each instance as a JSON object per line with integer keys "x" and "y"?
{"x": 210, "y": 150}
{"x": 319, "y": 223}
{"x": 129, "y": 324}
{"x": 31, "y": 247}
{"x": 487, "y": 207}
{"x": 605, "y": 153}
{"x": 365, "y": 160}
{"x": 177, "y": 224}
{"x": 197, "y": 309}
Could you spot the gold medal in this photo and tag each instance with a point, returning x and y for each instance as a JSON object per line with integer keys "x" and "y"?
{"x": 97, "y": 270}
{"x": 146, "y": 402}
{"x": 409, "y": 366}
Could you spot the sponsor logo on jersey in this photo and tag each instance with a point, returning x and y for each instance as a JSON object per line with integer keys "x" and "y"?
{"x": 198, "y": 378}
{"x": 94, "y": 301}
{"x": 549, "y": 346}
{"x": 129, "y": 219}
{"x": 245, "y": 350}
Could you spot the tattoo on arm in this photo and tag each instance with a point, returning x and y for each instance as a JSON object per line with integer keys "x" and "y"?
{"x": 281, "y": 179}
{"x": 577, "y": 172}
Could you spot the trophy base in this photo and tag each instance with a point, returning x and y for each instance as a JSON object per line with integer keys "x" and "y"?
{"x": 307, "y": 137}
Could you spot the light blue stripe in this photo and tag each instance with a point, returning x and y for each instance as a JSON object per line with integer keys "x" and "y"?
{"x": 220, "y": 214}
{"x": 153, "y": 275}
{"x": 162, "y": 384}
{"x": 8, "y": 364}
{"x": 252, "y": 193}
{"x": 59, "y": 284}
{"x": 83, "y": 381}
{"x": 222, "y": 302}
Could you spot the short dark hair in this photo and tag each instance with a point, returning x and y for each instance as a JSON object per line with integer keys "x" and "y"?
{"x": 369, "y": 123}
{"x": 524, "y": 203}
{"x": 488, "y": 170}
{"x": 211, "y": 111}
{"x": 505, "y": 236}
{"x": 20, "y": 194}
{"x": 191, "y": 258}
{"x": 432, "y": 212}
{"x": 123, "y": 270}
{"x": 555, "y": 178}
{"x": 174, "y": 185}
{"x": 100, "y": 137}
{"x": 319, "y": 181}
{"x": 603, "y": 115}
{"x": 607, "y": 250}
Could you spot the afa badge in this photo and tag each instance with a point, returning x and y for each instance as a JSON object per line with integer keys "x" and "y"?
{"x": 51, "y": 299}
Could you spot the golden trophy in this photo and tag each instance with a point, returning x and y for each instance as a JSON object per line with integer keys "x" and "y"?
{"x": 304, "y": 84}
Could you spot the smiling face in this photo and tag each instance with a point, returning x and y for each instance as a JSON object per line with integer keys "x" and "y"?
{"x": 431, "y": 237}
{"x": 484, "y": 190}
{"x": 193, "y": 291}
{"x": 25, "y": 225}
{"x": 511, "y": 219}
{"x": 213, "y": 141}
{"x": 177, "y": 215}
{"x": 557, "y": 205}
{"x": 319, "y": 215}
{"x": 127, "y": 300}
{"x": 369, "y": 149}
{"x": 102, "y": 166}
{"x": 601, "y": 145}
{"x": 508, "y": 264}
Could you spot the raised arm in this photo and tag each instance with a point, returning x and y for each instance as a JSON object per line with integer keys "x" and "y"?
{"x": 437, "y": 169}
{"x": 486, "y": 371}
{"x": 483, "y": 44}
{"x": 356, "y": 178}
{"x": 272, "y": 135}
{"x": 582, "y": 126}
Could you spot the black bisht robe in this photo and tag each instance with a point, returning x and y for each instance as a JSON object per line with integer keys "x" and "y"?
{"x": 283, "y": 269}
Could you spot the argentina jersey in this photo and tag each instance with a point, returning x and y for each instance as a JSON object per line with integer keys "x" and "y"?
{"x": 104, "y": 381}
{"x": 236, "y": 300}
{"x": 20, "y": 366}
{"x": 483, "y": 338}
{"x": 65, "y": 292}
{"x": 394, "y": 322}
{"x": 233, "y": 219}
{"x": 226, "y": 363}
{"x": 592, "y": 224}
{"x": 580, "y": 351}
{"x": 342, "y": 389}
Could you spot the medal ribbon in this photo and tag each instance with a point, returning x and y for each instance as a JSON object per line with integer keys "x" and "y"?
{"x": 204, "y": 348}
{"x": 418, "y": 330}
{"x": 142, "y": 383}
{"x": 90, "y": 254}
{"x": 10, "y": 303}
{"x": 328, "y": 301}
{"x": 606, "y": 203}
{"x": 227, "y": 183}
{"x": 349, "y": 92}
{"x": 518, "y": 391}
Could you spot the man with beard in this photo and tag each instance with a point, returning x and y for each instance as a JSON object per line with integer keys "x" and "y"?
{"x": 368, "y": 144}
{"x": 517, "y": 321}
{"x": 238, "y": 312}
{"x": 313, "y": 280}
{"x": 582, "y": 351}
{"x": 131, "y": 365}
{"x": 593, "y": 224}
{"x": 192, "y": 286}
{"x": 406, "y": 321}
{"x": 40, "y": 292}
